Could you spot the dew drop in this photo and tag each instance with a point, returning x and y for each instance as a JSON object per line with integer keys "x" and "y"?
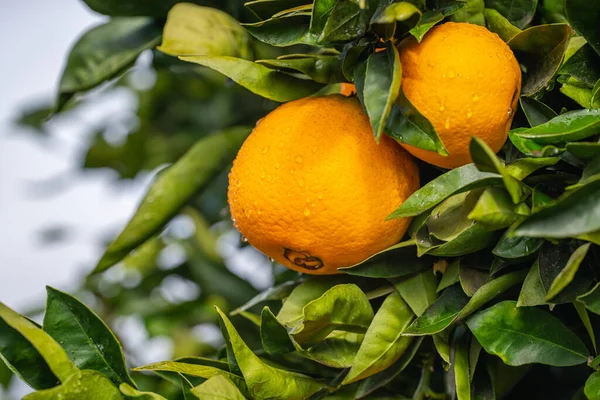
{"x": 475, "y": 98}
{"x": 469, "y": 114}
{"x": 262, "y": 176}
{"x": 238, "y": 183}
{"x": 299, "y": 159}
{"x": 277, "y": 165}
{"x": 244, "y": 239}
{"x": 280, "y": 145}
{"x": 306, "y": 212}
{"x": 510, "y": 111}
{"x": 272, "y": 259}
{"x": 265, "y": 150}
{"x": 320, "y": 196}
{"x": 292, "y": 171}
{"x": 308, "y": 199}
{"x": 451, "y": 74}
{"x": 312, "y": 205}
{"x": 447, "y": 124}
{"x": 442, "y": 108}
{"x": 269, "y": 178}
{"x": 300, "y": 182}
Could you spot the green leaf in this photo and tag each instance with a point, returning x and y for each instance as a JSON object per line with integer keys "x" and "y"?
{"x": 495, "y": 209}
{"x": 54, "y": 355}
{"x": 264, "y": 381}
{"x": 345, "y": 23}
{"x": 196, "y": 370}
{"x": 283, "y": 31}
{"x": 172, "y": 189}
{"x": 130, "y": 392}
{"x": 401, "y": 11}
{"x": 382, "y": 84}
{"x": 450, "y": 276}
{"x": 6, "y": 374}
{"x": 322, "y": 69}
{"x": 393, "y": 262}
{"x": 104, "y": 52}
{"x": 418, "y": 290}
{"x": 278, "y": 292}
{"x": 427, "y": 21}
{"x": 462, "y": 374}
{"x": 383, "y": 343}
{"x": 525, "y": 335}
{"x": 259, "y": 79}
{"x": 343, "y": 307}
{"x": 265, "y": 9}
{"x": 337, "y": 350}
{"x": 530, "y": 147}
{"x": 471, "y": 279}
{"x": 154, "y": 8}
{"x": 584, "y": 65}
{"x": 512, "y": 247}
{"x": 453, "y": 305}
{"x": 384, "y": 377}
{"x": 320, "y": 15}
{"x": 486, "y": 160}
{"x": 580, "y": 93}
{"x": 273, "y": 335}
{"x": 592, "y": 386}
{"x": 185, "y": 33}
{"x": 537, "y": 113}
{"x": 90, "y": 344}
{"x": 583, "y": 17}
{"x": 471, "y": 13}
{"x": 523, "y": 167}
{"x": 22, "y": 358}
{"x": 570, "y": 126}
{"x": 540, "y": 49}
{"x": 88, "y": 385}
{"x": 407, "y": 125}
{"x": 575, "y": 213}
{"x": 585, "y": 320}
{"x": 497, "y": 23}
{"x": 591, "y": 299}
{"x": 217, "y": 388}
{"x": 567, "y": 274}
{"x": 518, "y": 12}
{"x": 456, "y": 181}
{"x": 584, "y": 150}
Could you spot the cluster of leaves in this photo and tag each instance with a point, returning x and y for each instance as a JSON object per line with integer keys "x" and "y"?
{"x": 502, "y": 254}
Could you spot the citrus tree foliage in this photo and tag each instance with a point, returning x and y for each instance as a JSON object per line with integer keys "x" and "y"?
{"x": 494, "y": 293}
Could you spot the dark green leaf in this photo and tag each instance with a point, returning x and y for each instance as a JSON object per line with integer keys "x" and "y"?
{"x": 584, "y": 65}
{"x": 537, "y": 113}
{"x": 517, "y": 247}
{"x": 592, "y": 386}
{"x": 585, "y": 320}
{"x": 322, "y": 69}
{"x": 526, "y": 335}
{"x": 382, "y": 84}
{"x": 471, "y": 279}
{"x": 217, "y": 388}
{"x": 320, "y": 15}
{"x": 88, "y": 385}
{"x": 591, "y": 299}
{"x": 583, "y": 17}
{"x": 128, "y": 8}
{"x": 495, "y": 209}
{"x": 518, "y": 12}
{"x": 497, "y": 23}
{"x": 104, "y": 52}
{"x": 383, "y": 343}
{"x": 6, "y": 374}
{"x": 172, "y": 189}
{"x": 345, "y": 23}
{"x": 90, "y": 344}
{"x": 427, "y": 21}
{"x": 584, "y": 150}
{"x": 471, "y": 13}
{"x": 566, "y": 275}
{"x": 273, "y": 335}
{"x": 278, "y": 292}
{"x": 462, "y": 374}
{"x": 456, "y": 181}
{"x": 283, "y": 31}
{"x": 265, "y": 9}
{"x": 570, "y": 126}
{"x": 450, "y": 276}
{"x": 540, "y": 49}
{"x": 185, "y": 33}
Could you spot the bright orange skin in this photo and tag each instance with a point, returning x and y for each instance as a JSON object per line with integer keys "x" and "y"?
{"x": 466, "y": 81}
{"x": 311, "y": 188}
{"x": 347, "y": 89}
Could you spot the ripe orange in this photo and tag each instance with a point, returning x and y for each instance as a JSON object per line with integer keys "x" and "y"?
{"x": 466, "y": 81}
{"x": 311, "y": 188}
{"x": 347, "y": 89}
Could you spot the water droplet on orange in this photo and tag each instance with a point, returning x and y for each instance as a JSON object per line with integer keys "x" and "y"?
{"x": 320, "y": 196}
{"x": 306, "y": 212}
{"x": 475, "y": 98}
{"x": 277, "y": 165}
{"x": 308, "y": 199}
{"x": 300, "y": 182}
{"x": 299, "y": 159}
{"x": 265, "y": 150}
{"x": 469, "y": 114}
{"x": 447, "y": 124}
{"x": 451, "y": 74}
{"x": 442, "y": 108}
{"x": 262, "y": 176}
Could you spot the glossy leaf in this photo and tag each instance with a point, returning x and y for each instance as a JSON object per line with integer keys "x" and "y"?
{"x": 320, "y": 14}
{"x": 570, "y": 126}
{"x": 576, "y": 213}
{"x": 383, "y": 343}
{"x": 567, "y": 274}
{"x": 518, "y": 12}
{"x": 217, "y": 388}
{"x": 401, "y": 11}
{"x": 322, "y": 69}
{"x": 259, "y": 79}
{"x": 497, "y": 23}
{"x": 278, "y": 292}
{"x": 427, "y": 21}
{"x": 343, "y": 307}
{"x": 130, "y": 392}
{"x": 89, "y": 385}
{"x": 584, "y": 65}
{"x": 103, "y": 53}
{"x": 262, "y": 380}
{"x": 90, "y": 344}
{"x": 345, "y": 22}
{"x": 456, "y": 181}
{"x": 337, "y": 350}
{"x": 382, "y": 84}
{"x": 583, "y": 17}
{"x": 185, "y": 33}
{"x": 537, "y": 113}
{"x": 526, "y": 335}
{"x": 273, "y": 335}
{"x": 474, "y": 238}
{"x": 393, "y": 262}
{"x": 283, "y": 31}
{"x": 540, "y": 49}
{"x": 592, "y": 386}
{"x": 495, "y": 209}
{"x": 512, "y": 247}
{"x": 418, "y": 290}
{"x": 54, "y": 355}
{"x": 172, "y": 189}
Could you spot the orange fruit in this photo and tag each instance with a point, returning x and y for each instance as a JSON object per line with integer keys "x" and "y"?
{"x": 311, "y": 188}
{"x": 466, "y": 81}
{"x": 347, "y": 89}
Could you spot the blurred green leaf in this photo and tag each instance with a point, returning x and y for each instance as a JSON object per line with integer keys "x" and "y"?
{"x": 278, "y": 292}
{"x": 264, "y": 381}
{"x": 172, "y": 189}
{"x": 591, "y": 299}
{"x": 592, "y": 386}
{"x": 418, "y": 290}
{"x": 259, "y": 79}
{"x": 217, "y": 388}
{"x": 154, "y": 8}
{"x": 320, "y": 68}
{"x": 383, "y": 343}
{"x": 471, "y": 13}
{"x": 382, "y": 84}
{"x": 456, "y": 181}
{"x": 88, "y": 341}
{"x": 526, "y": 335}
{"x": 497, "y": 23}
{"x": 471, "y": 279}
{"x": 89, "y": 385}
{"x": 583, "y": 17}
{"x": 54, "y": 355}
{"x": 540, "y": 49}
{"x": 186, "y": 33}
{"x": 5, "y": 374}
{"x": 130, "y": 392}
{"x": 104, "y": 52}
{"x": 264, "y": 9}
{"x": 567, "y": 274}
{"x": 587, "y": 323}
{"x": 518, "y": 12}
{"x": 584, "y": 150}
